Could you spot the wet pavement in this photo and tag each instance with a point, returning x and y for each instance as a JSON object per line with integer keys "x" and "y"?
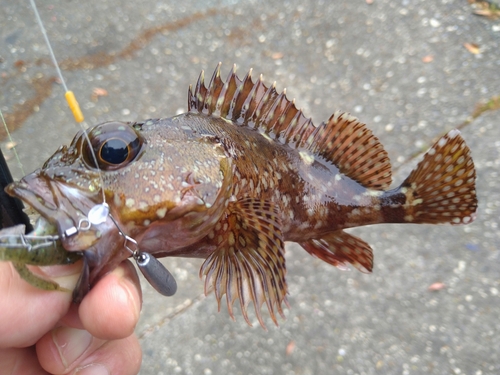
{"x": 412, "y": 70}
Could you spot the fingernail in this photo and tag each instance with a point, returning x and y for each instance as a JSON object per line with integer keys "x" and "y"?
{"x": 93, "y": 369}
{"x": 65, "y": 275}
{"x": 130, "y": 290}
{"x": 71, "y": 343}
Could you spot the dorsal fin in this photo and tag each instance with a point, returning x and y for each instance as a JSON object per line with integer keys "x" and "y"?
{"x": 343, "y": 140}
{"x": 353, "y": 148}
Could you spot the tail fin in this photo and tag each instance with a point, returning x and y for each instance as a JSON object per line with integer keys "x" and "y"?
{"x": 442, "y": 187}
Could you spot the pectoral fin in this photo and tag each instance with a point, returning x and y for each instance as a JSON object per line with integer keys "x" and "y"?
{"x": 340, "y": 248}
{"x": 249, "y": 262}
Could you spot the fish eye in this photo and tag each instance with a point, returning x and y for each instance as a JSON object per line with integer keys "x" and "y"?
{"x": 115, "y": 145}
{"x": 114, "y": 151}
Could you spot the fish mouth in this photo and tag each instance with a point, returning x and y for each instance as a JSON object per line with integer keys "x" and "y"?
{"x": 62, "y": 205}
{"x": 67, "y": 207}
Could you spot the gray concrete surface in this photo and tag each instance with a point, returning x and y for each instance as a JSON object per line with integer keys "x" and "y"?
{"x": 400, "y": 66}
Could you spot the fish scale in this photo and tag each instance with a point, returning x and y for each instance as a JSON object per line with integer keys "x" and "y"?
{"x": 235, "y": 177}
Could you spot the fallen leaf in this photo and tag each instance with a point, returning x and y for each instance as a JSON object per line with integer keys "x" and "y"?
{"x": 290, "y": 347}
{"x": 436, "y": 286}
{"x": 486, "y": 9}
{"x": 100, "y": 92}
{"x": 472, "y": 48}
{"x": 97, "y": 92}
{"x": 427, "y": 59}
{"x": 490, "y": 13}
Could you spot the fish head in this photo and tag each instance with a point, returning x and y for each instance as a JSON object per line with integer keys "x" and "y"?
{"x": 63, "y": 191}
{"x": 164, "y": 183}
{"x": 176, "y": 190}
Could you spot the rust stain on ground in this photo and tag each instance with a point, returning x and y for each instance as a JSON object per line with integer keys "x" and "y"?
{"x": 43, "y": 86}
{"x": 102, "y": 59}
{"x": 21, "y": 112}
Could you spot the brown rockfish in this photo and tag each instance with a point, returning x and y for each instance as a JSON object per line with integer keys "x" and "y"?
{"x": 231, "y": 180}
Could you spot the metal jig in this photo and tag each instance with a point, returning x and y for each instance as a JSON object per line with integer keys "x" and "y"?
{"x": 151, "y": 268}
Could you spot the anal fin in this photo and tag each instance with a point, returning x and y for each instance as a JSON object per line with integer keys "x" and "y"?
{"x": 249, "y": 262}
{"x": 340, "y": 248}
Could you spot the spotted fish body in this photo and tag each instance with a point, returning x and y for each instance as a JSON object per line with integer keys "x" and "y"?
{"x": 235, "y": 177}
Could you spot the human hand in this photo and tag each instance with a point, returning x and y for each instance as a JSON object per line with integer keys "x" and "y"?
{"x": 43, "y": 332}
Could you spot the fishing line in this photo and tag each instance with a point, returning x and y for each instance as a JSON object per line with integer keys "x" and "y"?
{"x": 13, "y": 144}
{"x": 11, "y": 209}
{"x": 70, "y": 98}
{"x": 152, "y": 269}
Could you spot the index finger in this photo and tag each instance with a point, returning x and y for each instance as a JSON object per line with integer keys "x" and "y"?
{"x": 27, "y": 312}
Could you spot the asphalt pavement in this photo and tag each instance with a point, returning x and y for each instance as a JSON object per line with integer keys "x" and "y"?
{"x": 410, "y": 69}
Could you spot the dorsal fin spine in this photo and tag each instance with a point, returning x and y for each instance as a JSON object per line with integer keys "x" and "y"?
{"x": 214, "y": 89}
{"x": 290, "y": 130}
{"x": 301, "y": 136}
{"x": 236, "y": 104}
{"x": 251, "y": 103}
{"x": 286, "y": 113}
{"x": 227, "y": 90}
{"x": 277, "y": 111}
{"x": 200, "y": 91}
{"x": 191, "y": 98}
{"x": 261, "y": 110}
{"x": 283, "y": 118}
{"x": 269, "y": 118}
{"x": 233, "y": 88}
{"x": 232, "y": 108}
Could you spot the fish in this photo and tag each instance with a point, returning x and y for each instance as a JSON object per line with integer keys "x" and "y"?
{"x": 230, "y": 181}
